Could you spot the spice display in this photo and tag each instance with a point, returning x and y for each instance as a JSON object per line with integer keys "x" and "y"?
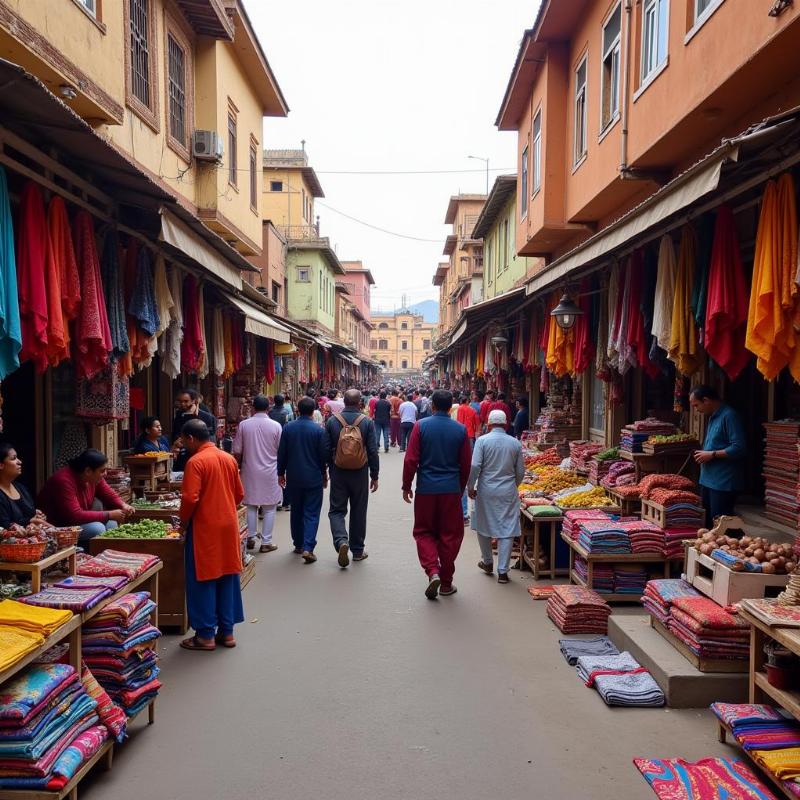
{"x": 586, "y": 498}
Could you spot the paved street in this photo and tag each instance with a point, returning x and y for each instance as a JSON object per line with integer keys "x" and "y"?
{"x": 350, "y": 684}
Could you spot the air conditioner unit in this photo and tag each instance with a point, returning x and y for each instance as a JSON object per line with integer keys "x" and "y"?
{"x": 207, "y": 146}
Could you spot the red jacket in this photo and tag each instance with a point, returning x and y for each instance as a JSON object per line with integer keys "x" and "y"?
{"x": 67, "y": 500}
{"x": 469, "y": 419}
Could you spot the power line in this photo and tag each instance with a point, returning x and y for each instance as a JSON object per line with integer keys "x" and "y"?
{"x": 376, "y": 227}
{"x": 411, "y": 171}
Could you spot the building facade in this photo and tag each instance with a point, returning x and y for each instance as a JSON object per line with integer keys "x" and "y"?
{"x": 358, "y": 282}
{"x": 401, "y": 341}
{"x": 289, "y": 188}
{"x": 312, "y": 269}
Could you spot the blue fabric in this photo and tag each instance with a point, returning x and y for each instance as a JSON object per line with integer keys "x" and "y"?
{"x": 303, "y": 454}
{"x": 725, "y": 432}
{"x": 214, "y": 606}
{"x": 111, "y": 275}
{"x": 10, "y": 331}
{"x": 476, "y": 407}
{"x": 142, "y": 306}
{"x": 441, "y": 439}
{"x": 306, "y": 505}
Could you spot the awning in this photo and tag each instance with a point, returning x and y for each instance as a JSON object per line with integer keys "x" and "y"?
{"x": 259, "y": 323}
{"x": 181, "y": 237}
{"x": 458, "y": 332}
{"x": 353, "y": 360}
{"x": 478, "y": 318}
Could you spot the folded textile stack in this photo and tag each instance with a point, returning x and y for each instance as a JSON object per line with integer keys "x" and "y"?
{"x": 664, "y": 480}
{"x": 674, "y": 539}
{"x": 781, "y": 484}
{"x": 76, "y": 599}
{"x": 708, "y": 630}
{"x": 118, "y": 646}
{"x": 115, "y": 562}
{"x": 571, "y": 525}
{"x": 659, "y": 594}
{"x": 630, "y": 579}
{"x": 581, "y": 453}
{"x": 646, "y": 537}
{"x": 682, "y": 509}
{"x": 112, "y": 582}
{"x": 49, "y": 726}
{"x": 598, "y": 470}
{"x": 602, "y": 575}
{"x": 23, "y": 628}
{"x": 620, "y": 680}
{"x": 616, "y": 472}
{"x": 604, "y": 537}
{"x": 633, "y": 436}
{"x": 573, "y": 649}
{"x": 574, "y": 609}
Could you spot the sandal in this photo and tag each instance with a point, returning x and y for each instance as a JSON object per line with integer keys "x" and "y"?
{"x": 225, "y": 641}
{"x": 193, "y": 643}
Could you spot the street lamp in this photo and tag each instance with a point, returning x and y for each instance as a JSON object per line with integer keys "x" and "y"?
{"x": 486, "y": 161}
{"x": 566, "y": 312}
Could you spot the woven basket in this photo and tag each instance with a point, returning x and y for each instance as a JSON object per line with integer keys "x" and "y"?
{"x": 22, "y": 553}
{"x": 67, "y": 537}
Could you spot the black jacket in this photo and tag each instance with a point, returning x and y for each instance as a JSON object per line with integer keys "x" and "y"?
{"x": 20, "y": 511}
{"x": 383, "y": 412}
{"x": 333, "y": 428}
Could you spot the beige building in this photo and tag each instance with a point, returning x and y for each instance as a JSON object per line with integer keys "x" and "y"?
{"x": 401, "y": 341}
{"x": 289, "y": 187}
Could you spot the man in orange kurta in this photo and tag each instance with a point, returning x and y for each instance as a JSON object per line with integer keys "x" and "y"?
{"x": 211, "y": 493}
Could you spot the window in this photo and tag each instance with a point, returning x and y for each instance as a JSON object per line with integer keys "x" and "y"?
{"x": 304, "y": 275}
{"x": 426, "y": 344}
{"x": 305, "y": 211}
{"x": 383, "y": 344}
{"x": 506, "y": 248}
{"x": 580, "y": 112}
{"x": 537, "y": 151}
{"x": 511, "y": 248}
{"x": 276, "y": 186}
{"x": 176, "y": 61}
{"x": 383, "y": 325}
{"x": 655, "y": 29}
{"x": 404, "y": 326}
{"x": 404, "y": 364}
{"x": 524, "y": 185}
{"x": 373, "y": 344}
{"x": 141, "y": 60}
{"x": 609, "y": 78}
{"x": 391, "y": 363}
{"x": 253, "y": 175}
{"x": 404, "y": 345}
{"x": 502, "y": 250}
{"x": 276, "y": 292}
{"x": 89, "y": 5}
{"x": 233, "y": 160}
{"x": 489, "y": 262}
{"x": 703, "y": 8}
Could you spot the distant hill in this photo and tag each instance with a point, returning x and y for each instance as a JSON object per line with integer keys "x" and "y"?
{"x": 428, "y": 308}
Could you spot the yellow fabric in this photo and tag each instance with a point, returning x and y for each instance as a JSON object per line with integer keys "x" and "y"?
{"x": 226, "y": 336}
{"x": 479, "y": 356}
{"x": 773, "y": 312}
{"x": 32, "y": 618}
{"x": 15, "y": 644}
{"x": 684, "y": 349}
{"x": 784, "y": 764}
{"x": 559, "y": 356}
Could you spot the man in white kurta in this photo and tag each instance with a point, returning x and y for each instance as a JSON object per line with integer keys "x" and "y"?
{"x": 256, "y": 448}
{"x": 497, "y": 470}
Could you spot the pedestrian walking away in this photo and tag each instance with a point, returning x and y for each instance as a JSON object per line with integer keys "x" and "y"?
{"x": 394, "y": 418}
{"x": 522, "y": 418}
{"x": 354, "y": 469}
{"x": 280, "y": 413}
{"x": 408, "y": 416}
{"x": 256, "y": 448}
{"x": 210, "y": 494}
{"x": 303, "y": 474}
{"x": 382, "y": 417}
{"x": 469, "y": 418}
{"x": 497, "y": 470}
{"x": 439, "y": 456}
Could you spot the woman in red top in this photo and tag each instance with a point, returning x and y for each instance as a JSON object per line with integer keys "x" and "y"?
{"x": 468, "y": 418}
{"x": 79, "y": 495}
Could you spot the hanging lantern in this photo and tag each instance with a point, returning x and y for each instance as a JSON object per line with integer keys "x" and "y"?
{"x": 499, "y": 341}
{"x": 566, "y": 312}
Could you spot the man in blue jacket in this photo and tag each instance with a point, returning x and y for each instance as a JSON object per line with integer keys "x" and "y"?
{"x": 303, "y": 473}
{"x": 440, "y": 455}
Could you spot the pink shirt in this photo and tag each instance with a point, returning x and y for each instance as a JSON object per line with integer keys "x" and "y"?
{"x": 257, "y": 440}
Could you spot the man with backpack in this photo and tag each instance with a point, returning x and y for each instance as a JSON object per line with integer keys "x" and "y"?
{"x": 354, "y": 467}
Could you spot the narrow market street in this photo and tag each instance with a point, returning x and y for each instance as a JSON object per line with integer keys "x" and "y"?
{"x": 348, "y": 683}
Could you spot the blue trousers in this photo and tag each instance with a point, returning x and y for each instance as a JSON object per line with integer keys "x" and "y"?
{"x": 306, "y": 505}
{"x": 214, "y": 606}
{"x": 382, "y": 429}
{"x": 91, "y": 529}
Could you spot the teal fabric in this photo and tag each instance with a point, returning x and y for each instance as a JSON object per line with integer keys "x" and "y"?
{"x": 10, "y": 331}
{"x": 725, "y": 432}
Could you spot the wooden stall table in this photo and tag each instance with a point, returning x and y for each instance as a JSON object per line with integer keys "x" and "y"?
{"x": 628, "y": 506}
{"x": 148, "y": 471}
{"x": 36, "y": 568}
{"x": 530, "y": 529}
{"x": 646, "y": 464}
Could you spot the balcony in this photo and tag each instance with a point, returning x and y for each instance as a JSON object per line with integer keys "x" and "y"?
{"x": 300, "y": 233}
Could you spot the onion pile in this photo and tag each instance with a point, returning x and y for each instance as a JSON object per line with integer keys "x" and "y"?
{"x": 773, "y": 558}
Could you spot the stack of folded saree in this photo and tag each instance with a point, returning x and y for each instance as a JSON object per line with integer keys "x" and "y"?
{"x": 604, "y": 536}
{"x": 573, "y": 649}
{"x": 630, "y": 579}
{"x": 577, "y": 610}
{"x": 571, "y": 525}
{"x": 112, "y": 582}
{"x": 620, "y": 680}
{"x": 77, "y": 599}
{"x": 115, "y": 562}
{"x": 602, "y": 575}
{"x": 23, "y": 628}
{"x": 48, "y": 727}
{"x": 659, "y": 594}
{"x": 708, "y": 630}
{"x": 119, "y": 648}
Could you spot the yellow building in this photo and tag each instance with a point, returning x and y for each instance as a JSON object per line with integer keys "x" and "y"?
{"x": 289, "y": 188}
{"x": 401, "y": 342}
{"x": 162, "y": 80}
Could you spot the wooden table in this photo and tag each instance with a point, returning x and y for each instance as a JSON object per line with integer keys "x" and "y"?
{"x": 530, "y": 529}
{"x": 148, "y": 471}
{"x": 645, "y": 464}
{"x": 36, "y": 568}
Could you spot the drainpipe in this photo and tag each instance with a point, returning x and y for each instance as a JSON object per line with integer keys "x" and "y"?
{"x": 623, "y": 167}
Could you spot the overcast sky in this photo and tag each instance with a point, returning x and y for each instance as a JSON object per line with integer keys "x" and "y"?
{"x": 377, "y": 85}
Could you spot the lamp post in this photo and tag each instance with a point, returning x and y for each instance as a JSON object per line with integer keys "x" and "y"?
{"x": 486, "y": 161}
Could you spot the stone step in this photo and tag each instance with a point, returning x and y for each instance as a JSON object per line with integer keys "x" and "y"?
{"x": 683, "y": 685}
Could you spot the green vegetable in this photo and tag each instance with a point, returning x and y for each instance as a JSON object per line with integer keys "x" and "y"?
{"x": 144, "y": 529}
{"x": 607, "y": 455}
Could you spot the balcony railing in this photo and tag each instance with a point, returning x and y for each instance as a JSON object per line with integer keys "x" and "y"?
{"x": 300, "y": 233}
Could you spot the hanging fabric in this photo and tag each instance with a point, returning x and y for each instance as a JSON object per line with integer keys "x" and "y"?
{"x": 164, "y": 302}
{"x": 615, "y": 293}
{"x": 192, "y": 335}
{"x": 218, "y": 342}
{"x": 560, "y": 356}
{"x": 726, "y": 309}
{"x": 237, "y": 343}
{"x": 655, "y": 355}
{"x": 112, "y": 277}
{"x": 173, "y": 338}
{"x": 684, "y": 349}
{"x": 601, "y": 367}
{"x": 663, "y": 300}
{"x": 227, "y": 345}
{"x": 57, "y": 332}
{"x": 269, "y": 362}
{"x": 143, "y": 310}
{"x": 31, "y": 256}
{"x": 105, "y": 397}
{"x": 64, "y": 259}
{"x": 705, "y": 241}
{"x": 203, "y": 366}
{"x": 584, "y": 330}
{"x": 637, "y": 339}
{"x": 10, "y": 330}
{"x": 771, "y": 316}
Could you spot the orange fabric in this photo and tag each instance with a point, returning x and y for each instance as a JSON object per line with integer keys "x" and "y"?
{"x": 684, "y": 349}
{"x": 64, "y": 259}
{"x": 560, "y": 351}
{"x": 227, "y": 346}
{"x": 210, "y": 495}
{"x": 469, "y": 419}
{"x": 57, "y": 336}
{"x": 395, "y": 402}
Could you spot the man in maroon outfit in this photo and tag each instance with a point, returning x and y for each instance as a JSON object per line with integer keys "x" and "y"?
{"x": 439, "y": 454}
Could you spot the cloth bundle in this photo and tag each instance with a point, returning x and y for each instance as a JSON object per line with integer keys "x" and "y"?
{"x": 659, "y": 594}
{"x": 581, "y": 453}
{"x": 598, "y": 470}
{"x": 573, "y": 649}
{"x": 664, "y": 480}
{"x": 602, "y": 575}
{"x": 620, "y": 680}
{"x": 48, "y": 728}
{"x": 574, "y": 609}
{"x": 112, "y": 582}
{"x": 604, "y": 537}
{"x": 708, "y": 630}
{"x": 573, "y": 519}
{"x": 617, "y": 472}
{"x": 76, "y": 599}
{"x": 23, "y": 628}
{"x": 118, "y": 647}
{"x": 115, "y": 562}
{"x": 630, "y": 579}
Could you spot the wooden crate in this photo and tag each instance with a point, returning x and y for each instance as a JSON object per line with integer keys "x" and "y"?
{"x": 657, "y": 514}
{"x": 723, "y": 585}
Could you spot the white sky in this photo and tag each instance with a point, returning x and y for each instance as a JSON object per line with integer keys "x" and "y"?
{"x": 390, "y": 85}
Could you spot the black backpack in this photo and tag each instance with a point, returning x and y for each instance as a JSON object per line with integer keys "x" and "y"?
{"x": 280, "y": 415}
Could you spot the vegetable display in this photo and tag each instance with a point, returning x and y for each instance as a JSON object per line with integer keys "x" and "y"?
{"x": 35, "y": 533}
{"x": 144, "y": 529}
{"x": 765, "y": 556}
{"x": 607, "y": 455}
{"x": 674, "y": 438}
